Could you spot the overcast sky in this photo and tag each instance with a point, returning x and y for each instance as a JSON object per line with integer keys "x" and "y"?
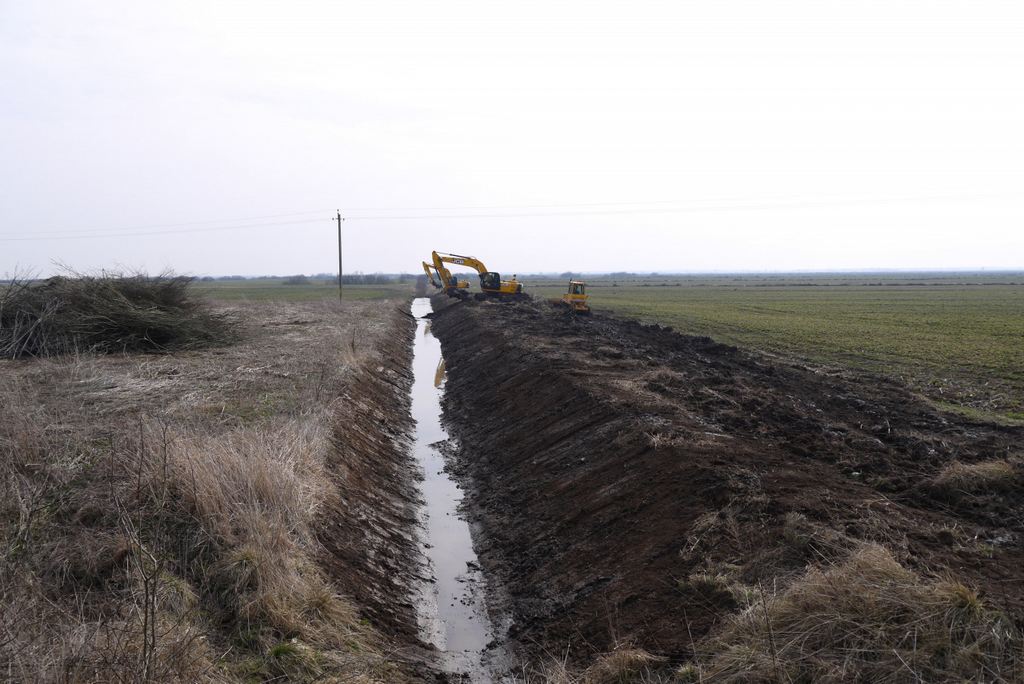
{"x": 565, "y": 136}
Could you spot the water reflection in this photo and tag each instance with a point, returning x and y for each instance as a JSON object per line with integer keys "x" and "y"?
{"x": 439, "y": 374}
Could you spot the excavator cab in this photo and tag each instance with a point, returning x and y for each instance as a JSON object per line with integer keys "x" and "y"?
{"x": 491, "y": 280}
{"x": 492, "y": 284}
{"x": 457, "y": 288}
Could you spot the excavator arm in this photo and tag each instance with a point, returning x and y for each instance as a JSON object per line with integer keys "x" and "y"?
{"x": 439, "y": 265}
{"x": 471, "y": 262}
{"x": 451, "y": 285}
{"x": 430, "y": 275}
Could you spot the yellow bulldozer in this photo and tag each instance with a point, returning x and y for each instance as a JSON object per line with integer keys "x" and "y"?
{"x": 576, "y": 298}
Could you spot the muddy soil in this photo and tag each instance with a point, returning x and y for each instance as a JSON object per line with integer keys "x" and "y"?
{"x": 606, "y": 461}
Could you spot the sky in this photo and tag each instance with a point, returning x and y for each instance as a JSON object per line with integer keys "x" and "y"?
{"x": 217, "y": 138}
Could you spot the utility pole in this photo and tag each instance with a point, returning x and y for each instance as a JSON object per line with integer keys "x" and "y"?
{"x": 340, "y": 291}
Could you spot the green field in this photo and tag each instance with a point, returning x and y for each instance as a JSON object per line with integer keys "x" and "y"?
{"x": 958, "y": 338}
{"x": 257, "y": 289}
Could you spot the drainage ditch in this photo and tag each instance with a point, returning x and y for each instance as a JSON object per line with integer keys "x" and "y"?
{"x": 453, "y": 613}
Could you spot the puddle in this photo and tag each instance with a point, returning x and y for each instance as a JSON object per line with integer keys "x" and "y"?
{"x": 453, "y": 615}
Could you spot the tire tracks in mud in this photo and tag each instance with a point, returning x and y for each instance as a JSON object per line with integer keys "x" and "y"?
{"x": 605, "y": 461}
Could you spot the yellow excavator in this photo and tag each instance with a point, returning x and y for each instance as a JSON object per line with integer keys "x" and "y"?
{"x": 429, "y": 270}
{"x": 576, "y": 297}
{"x": 451, "y": 285}
{"x": 491, "y": 284}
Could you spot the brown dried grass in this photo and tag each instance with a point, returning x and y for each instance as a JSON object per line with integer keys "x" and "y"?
{"x": 83, "y": 598}
{"x": 866, "y": 619}
{"x": 995, "y": 475}
{"x": 255, "y": 493}
{"x": 109, "y": 312}
{"x": 177, "y": 547}
{"x": 623, "y": 665}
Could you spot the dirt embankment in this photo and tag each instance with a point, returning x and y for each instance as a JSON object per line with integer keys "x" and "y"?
{"x": 368, "y": 524}
{"x": 240, "y": 513}
{"x": 637, "y": 486}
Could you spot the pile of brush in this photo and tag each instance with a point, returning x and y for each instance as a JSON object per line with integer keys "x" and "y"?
{"x": 107, "y": 313}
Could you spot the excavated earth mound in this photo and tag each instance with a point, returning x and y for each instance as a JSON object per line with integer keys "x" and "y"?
{"x": 622, "y": 475}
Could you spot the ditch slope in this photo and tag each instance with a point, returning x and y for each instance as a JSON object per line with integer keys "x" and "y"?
{"x": 606, "y": 462}
{"x": 246, "y": 512}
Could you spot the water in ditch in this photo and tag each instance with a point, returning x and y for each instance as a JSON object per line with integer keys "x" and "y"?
{"x": 453, "y": 615}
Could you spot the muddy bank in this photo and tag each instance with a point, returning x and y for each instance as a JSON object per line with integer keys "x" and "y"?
{"x": 607, "y": 464}
{"x": 368, "y": 526}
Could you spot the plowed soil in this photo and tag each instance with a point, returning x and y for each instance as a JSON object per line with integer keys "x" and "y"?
{"x": 605, "y": 461}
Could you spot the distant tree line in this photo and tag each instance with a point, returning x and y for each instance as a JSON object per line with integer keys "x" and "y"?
{"x": 373, "y": 278}
{"x": 351, "y": 279}
{"x": 326, "y": 278}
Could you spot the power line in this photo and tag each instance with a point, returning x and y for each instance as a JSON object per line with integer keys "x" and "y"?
{"x": 186, "y": 223}
{"x": 513, "y": 212}
{"x": 718, "y": 200}
{"x": 803, "y": 204}
{"x": 84, "y": 236}
{"x": 530, "y": 206}
{"x": 146, "y": 228}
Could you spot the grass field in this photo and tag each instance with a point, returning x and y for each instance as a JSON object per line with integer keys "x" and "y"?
{"x": 261, "y": 289}
{"x": 958, "y": 338}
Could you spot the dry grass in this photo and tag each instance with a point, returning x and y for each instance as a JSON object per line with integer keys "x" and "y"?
{"x": 814, "y": 540}
{"x": 84, "y": 595}
{"x": 972, "y": 478}
{"x": 105, "y": 313}
{"x": 157, "y": 513}
{"x": 255, "y": 493}
{"x": 866, "y": 619}
{"x": 623, "y": 665}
